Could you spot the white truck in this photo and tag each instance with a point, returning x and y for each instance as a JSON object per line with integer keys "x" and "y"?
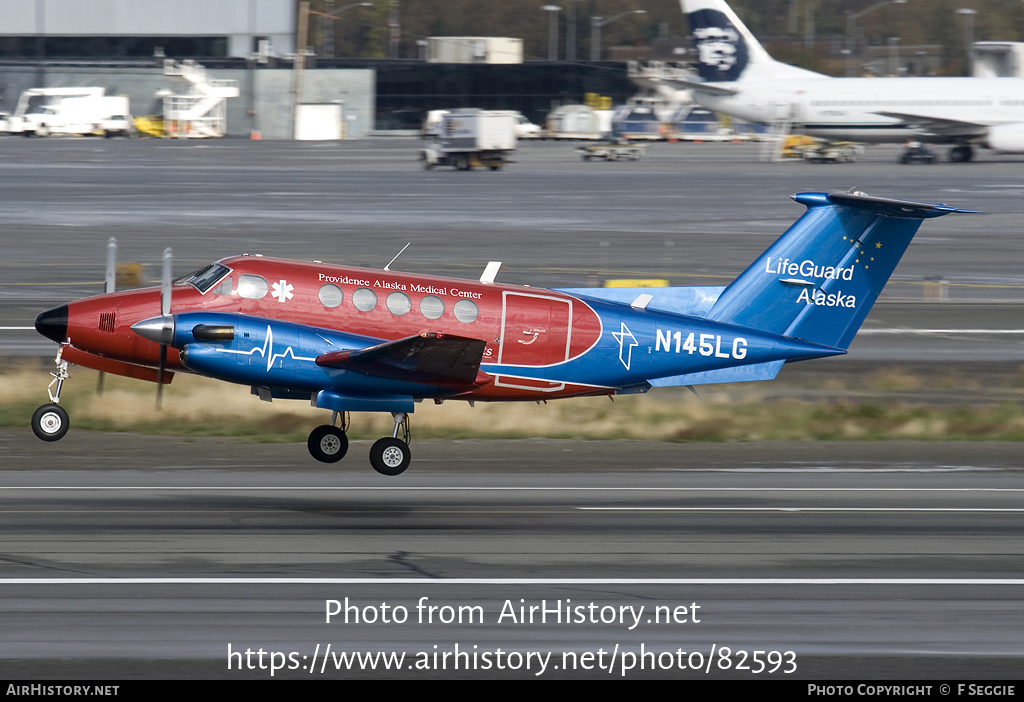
{"x": 77, "y": 111}
{"x": 472, "y": 138}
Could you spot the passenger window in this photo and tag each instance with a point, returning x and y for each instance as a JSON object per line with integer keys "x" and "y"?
{"x": 466, "y": 311}
{"x": 432, "y": 307}
{"x": 252, "y": 287}
{"x": 364, "y": 299}
{"x": 399, "y": 304}
{"x": 331, "y": 295}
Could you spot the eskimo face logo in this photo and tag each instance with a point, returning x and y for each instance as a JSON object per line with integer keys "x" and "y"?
{"x": 721, "y": 51}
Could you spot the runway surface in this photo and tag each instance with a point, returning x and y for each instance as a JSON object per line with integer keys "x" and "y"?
{"x": 130, "y": 556}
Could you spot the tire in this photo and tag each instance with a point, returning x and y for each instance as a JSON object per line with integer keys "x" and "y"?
{"x": 961, "y": 154}
{"x": 50, "y": 422}
{"x": 390, "y": 456}
{"x": 327, "y": 444}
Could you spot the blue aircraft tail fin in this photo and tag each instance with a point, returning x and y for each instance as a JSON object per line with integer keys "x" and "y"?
{"x": 819, "y": 280}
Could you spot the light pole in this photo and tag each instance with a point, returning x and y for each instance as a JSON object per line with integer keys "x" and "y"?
{"x": 300, "y": 55}
{"x": 552, "y": 11}
{"x": 570, "y": 31}
{"x": 596, "y": 23}
{"x": 851, "y": 26}
{"x": 968, "y": 15}
{"x": 330, "y": 18}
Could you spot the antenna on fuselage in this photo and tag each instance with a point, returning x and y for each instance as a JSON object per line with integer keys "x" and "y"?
{"x": 388, "y": 267}
{"x": 490, "y": 272}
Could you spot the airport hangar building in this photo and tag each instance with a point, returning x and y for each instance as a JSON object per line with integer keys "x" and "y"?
{"x": 120, "y": 45}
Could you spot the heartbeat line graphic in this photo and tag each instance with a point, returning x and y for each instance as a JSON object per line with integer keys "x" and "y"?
{"x": 267, "y": 351}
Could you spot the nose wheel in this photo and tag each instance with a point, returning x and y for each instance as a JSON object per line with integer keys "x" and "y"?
{"x": 50, "y": 422}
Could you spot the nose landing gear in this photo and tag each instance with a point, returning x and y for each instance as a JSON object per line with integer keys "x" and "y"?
{"x": 50, "y": 422}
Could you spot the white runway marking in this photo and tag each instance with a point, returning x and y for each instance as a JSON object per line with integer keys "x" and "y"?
{"x": 512, "y": 581}
{"x": 801, "y": 509}
{"x": 891, "y": 330}
{"x": 423, "y": 488}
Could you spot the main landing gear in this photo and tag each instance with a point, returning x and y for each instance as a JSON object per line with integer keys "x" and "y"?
{"x": 388, "y": 456}
{"x": 961, "y": 154}
{"x": 50, "y": 421}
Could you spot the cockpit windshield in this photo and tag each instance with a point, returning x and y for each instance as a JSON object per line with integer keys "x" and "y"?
{"x": 204, "y": 279}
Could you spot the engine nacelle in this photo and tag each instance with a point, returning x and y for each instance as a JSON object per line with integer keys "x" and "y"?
{"x": 257, "y": 351}
{"x": 1007, "y": 137}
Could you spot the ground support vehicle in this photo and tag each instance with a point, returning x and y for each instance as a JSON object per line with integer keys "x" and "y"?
{"x": 611, "y": 152}
{"x": 470, "y": 139}
{"x": 833, "y": 152}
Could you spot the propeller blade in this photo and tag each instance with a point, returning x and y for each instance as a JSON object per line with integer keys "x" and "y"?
{"x": 110, "y": 282}
{"x": 165, "y": 312}
{"x": 160, "y": 375}
{"x": 109, "y": 286}
{"x": 165, "y": 286}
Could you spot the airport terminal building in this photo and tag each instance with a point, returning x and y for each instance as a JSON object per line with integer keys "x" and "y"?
{"x": 121, "y": 45}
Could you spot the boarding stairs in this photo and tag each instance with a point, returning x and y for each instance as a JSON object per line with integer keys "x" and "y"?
{"x": 200, "y": 111}
{"x": 775, "y": 140}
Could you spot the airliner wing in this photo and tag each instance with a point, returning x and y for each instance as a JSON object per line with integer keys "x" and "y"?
{"x": 938, "y": 126}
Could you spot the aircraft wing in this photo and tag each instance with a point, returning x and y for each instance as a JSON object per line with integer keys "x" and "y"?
{"x": 429, "y": 358}
{"x": 937, "y": 126}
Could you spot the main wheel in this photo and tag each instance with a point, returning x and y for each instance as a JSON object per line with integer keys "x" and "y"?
{"x": 327, "y": 444}
{"x": 390, "y": 456}
{"x": 961, "y": 154}
{"x": 50, "y": 422}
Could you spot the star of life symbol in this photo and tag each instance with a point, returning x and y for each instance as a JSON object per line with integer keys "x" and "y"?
{"x": 282, "y": 290}
{"x": 625, "y": 347}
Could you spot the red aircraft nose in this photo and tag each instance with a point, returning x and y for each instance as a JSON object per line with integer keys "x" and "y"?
{"x": 53, "y": 324}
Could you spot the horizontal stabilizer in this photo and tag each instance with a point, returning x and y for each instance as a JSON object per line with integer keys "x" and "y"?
{"x": 695, "y": 301}
{"x": 428, "y": 359}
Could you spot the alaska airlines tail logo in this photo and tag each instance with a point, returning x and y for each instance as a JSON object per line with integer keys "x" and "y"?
{"x": 721, "y": 50}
